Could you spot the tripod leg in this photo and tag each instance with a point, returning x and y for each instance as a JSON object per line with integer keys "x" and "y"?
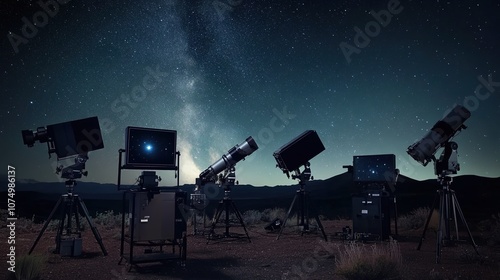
{"x": 92, "y": 226}
{"x": 395, "y": 216}
{"x": 304, "y": 218}
{"x": 76, "y": 212}
{"x": 183, "y": 249}
{"x": 287, "y": 216}
{"x": 45, "y": 225}
{"x": 453, "y": 207}
{"x": 215, "y": 219}
{"x": 64, "y": 213}
{"x": 240, "y": 218}
{"x": 71, "y": 212}
{"x": 446, "y": 220}
{"x": 320, "y": 225}
{"x": 193, "y": 219}
{"x": 122, "y": 237}
{"x": 439, "y": 239}
{"x": 465, "y": 223}
{"x": 316, "y": 217}
{"x": 226, "y": 220}
{"x": 436, "y": 198}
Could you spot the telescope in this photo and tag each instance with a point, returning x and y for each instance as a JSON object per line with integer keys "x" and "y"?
{"x": 440, "y": 134}
{"x": 296, "y": 153}
{"x": 69, "y": 138}
{"x": 227, "y": 161}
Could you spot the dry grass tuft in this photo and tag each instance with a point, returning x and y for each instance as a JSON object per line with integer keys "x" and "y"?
{"x": 369, "y": 262}
{"x": 29, "y": 267}
{"x": 416, "y": 219}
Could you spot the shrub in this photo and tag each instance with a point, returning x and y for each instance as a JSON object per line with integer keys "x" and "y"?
{"x": 359, "y": 261}
{"x": 495, "y": 232}
{"x": 492, "y": 229}
{"x": 4, "y": 214}
{"x": 24, "y": 225}
{"x": 53, "y": 225}
{"x": 108, "y": 219}
{"x": 268, "y": 215}
{"x": 29, "y": 267}
{"x": 252, "y": 217}
{"x": 415, "y": 219}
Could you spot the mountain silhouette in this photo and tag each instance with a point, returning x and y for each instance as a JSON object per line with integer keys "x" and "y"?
{"x": 331, "y": 197}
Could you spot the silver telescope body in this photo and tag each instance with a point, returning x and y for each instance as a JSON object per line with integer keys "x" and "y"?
{"x": 233, "y": 156}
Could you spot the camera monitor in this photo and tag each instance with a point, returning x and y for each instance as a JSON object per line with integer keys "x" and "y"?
{"x": 374, "y": 168}
{"x": 150, "y": 148}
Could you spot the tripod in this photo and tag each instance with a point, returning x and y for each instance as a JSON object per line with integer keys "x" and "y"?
{"x": 303, "y": 197}
{"x": 72, "y": 203}
{"x": 448, "y": 205}
{"x": 227, "y": 205}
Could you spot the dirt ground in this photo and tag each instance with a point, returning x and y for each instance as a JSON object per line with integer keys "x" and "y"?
{"x": 291, "y": 257}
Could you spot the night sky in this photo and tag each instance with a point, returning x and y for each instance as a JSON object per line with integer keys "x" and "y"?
{"x": 220, "y": 71}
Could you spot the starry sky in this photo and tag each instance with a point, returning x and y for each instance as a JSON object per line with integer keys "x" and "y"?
{"x": 371, "y": 77}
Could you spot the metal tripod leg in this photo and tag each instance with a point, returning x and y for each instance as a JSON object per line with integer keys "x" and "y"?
{"x": 447, "y": 199}
{"x": 395, "y": 216}
{"x": 215, "y": 219}
{"x": 316, "y": 217}
{"x": 240, "y": 218}
{"x": 60, "y": 227}
{"x": 439, "y": 239}
{"x": 227, "y": 205}
{"x": 304, "y": 214}
{"x": 287, "y": 215}
{"x": 320, "y": 225}
{"x": 92, "y": 226}
{"x": 68, "y": 209}
{"x": 46, "y": 224}
{"x": 473, "y": 243}
{"x": 436, "y": 198}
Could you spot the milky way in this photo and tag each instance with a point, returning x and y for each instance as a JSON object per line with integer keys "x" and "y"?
{"x": 371, "y": 77}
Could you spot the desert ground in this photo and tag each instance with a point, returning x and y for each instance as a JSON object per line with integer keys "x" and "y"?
{"x": 293, "y": 256}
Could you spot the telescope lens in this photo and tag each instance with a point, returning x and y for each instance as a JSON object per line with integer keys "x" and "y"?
{"x": 28, "y": 138}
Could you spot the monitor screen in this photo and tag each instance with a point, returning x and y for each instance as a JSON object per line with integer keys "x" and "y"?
{"x": 374, "y": 168}
{"x": 149, "y": 148}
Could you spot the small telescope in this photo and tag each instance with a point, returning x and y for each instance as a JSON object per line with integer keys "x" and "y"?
{"x": 233, "y": 156}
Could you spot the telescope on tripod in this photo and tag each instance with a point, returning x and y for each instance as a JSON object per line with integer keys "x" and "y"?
{"x": 423, "y": 151}
{"x": 223, "y": 173}
{"x": 74, "y": 139}
{"x": 290, "y": 158}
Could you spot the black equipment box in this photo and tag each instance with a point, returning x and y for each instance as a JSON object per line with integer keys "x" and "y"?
{"x": 156, "y": 216}
{"x": 299, "y": 151}
{"x": 371, "y": 214}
